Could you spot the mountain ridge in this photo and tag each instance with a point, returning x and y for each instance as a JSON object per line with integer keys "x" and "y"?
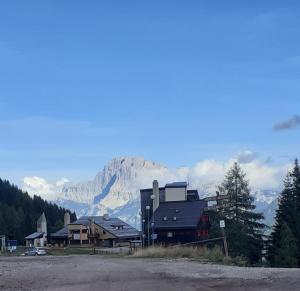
{"x": 116, "y": 189}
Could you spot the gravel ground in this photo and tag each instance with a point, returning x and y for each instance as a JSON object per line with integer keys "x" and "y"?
{"x": 105, "y": 273}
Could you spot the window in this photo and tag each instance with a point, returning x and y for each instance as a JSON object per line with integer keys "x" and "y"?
{"x": 117, "y": 226}
{"x": 74, "y": 231}
{"x": 170, "y": 234}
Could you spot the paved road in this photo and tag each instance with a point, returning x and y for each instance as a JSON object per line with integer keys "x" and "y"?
{"x": 105, "y": 273}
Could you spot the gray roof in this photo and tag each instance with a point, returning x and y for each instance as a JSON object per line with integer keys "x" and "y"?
{"x": 176, "y": 185}
{"x": 62, "y": 233}
{"x": 110, "y": 225}
{"x": 179, "y": 214}
{"x": 35, "y": 235}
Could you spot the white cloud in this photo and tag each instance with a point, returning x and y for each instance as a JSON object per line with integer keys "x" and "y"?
{"x": 208, "y": 173}
{"x": 259, "y": 174}
{"x": 39, "y": 186}
{"x": 264, "y": 176}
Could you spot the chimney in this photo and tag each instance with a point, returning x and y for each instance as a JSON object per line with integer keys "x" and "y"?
{"x": 42, "y": 224}
{"x": 92, "y": 226}
{"x": 156, "y": 195}
{"x": 67, "y": 219}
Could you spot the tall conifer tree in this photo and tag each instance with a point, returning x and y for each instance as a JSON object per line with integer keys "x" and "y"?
{"x": 244, "y": 227}
{"x": 284, "y": 243}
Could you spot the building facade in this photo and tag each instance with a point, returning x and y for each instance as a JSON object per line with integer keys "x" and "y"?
{"x": 173, "y": 214}
{"x": 100, "y": 231}
{"x": 38, "y": 238}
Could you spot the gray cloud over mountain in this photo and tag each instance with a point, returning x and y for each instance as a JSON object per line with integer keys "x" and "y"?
{"x": 287, "y": 124}
{"x": 246, "y": 157}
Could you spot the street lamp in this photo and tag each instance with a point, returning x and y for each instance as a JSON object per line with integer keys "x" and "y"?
{"x": 148, "y": 228}
{"x": 153, "y": 221}
{"x": 143, "y": 234}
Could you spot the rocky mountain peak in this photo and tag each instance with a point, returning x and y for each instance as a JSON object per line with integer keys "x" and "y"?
{"x": 116, "y": 188}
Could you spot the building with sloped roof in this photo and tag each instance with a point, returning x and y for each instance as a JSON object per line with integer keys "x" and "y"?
{"x": 38, "y": 238}
{"x": 95, "y": 230}
{"x": 173, "y": 214}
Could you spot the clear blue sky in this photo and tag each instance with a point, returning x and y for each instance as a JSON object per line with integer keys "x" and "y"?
{"x": 172, "y": 81}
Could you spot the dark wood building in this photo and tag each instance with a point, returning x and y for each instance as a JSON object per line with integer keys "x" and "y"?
{"x": 173, "y": 214}
{"x": 181, "y": 222}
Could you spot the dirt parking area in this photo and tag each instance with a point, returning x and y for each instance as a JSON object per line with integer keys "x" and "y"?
{"x": 88, "y": 272}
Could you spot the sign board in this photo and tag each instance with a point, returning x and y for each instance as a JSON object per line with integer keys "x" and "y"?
{"x": 76, "y": 236}
{"x": 222, "y": 223}
{"x": 11, "y": 245}
{"x": 153, "y": 236}
{"x": 211, "y": 203}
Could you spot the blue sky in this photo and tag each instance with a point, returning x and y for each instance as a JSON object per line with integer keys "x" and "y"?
{"x": 173, "y": 81}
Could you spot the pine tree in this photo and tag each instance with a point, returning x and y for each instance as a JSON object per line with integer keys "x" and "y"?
{"x": 286, "y": 255}
{"x": 244, "y": 227}
{"x": 19, "y": 212}
{"x": 296, "y": 192}
{"x": 284, "y": 242}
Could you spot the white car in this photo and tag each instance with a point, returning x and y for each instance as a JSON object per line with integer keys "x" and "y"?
{"x": 41, "y": 251}
{"x": 38, "y": 251}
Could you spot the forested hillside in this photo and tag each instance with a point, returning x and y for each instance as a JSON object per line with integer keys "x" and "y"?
{"x": 19, "y": 212}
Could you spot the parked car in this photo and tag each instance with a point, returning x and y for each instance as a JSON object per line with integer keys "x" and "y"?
{"x": 38, "y": 251}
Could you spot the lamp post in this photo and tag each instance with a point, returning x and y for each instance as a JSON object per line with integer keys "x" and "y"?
{"x": 153, "y": 220}
{"x": 2, "y": 243}
{"x": 143, "y": 234}
{"x": 148, "y": 227}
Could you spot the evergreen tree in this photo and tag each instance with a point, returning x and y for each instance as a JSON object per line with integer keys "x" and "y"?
{"x": 19, "y": 213}
{"x": 244, "y": 227}
{"x": 286, "y": 255}
{"x": 284, "y": 242}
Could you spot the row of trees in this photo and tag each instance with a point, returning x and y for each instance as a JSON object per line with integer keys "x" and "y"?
{"x": 19, "y": 212}
{"x": 245, "y": 230}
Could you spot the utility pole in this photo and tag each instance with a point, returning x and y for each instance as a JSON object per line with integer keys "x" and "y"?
{"x": 2, "y": 243}
{"x": 143, "y": 234}
{"x": 153, "y": 221}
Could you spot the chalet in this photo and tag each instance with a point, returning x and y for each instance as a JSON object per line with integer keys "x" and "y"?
{"x": 38, "y": 238}
{"x": 173, "y": 214}
{"x": 61, "y": 238}
{"x": 95, "y": 230}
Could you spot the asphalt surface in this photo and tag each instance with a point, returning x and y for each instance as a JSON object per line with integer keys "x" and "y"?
{"x": 86, "y": 272}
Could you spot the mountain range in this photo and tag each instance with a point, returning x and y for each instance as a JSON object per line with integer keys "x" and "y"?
{"x": 116, "y": 189}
